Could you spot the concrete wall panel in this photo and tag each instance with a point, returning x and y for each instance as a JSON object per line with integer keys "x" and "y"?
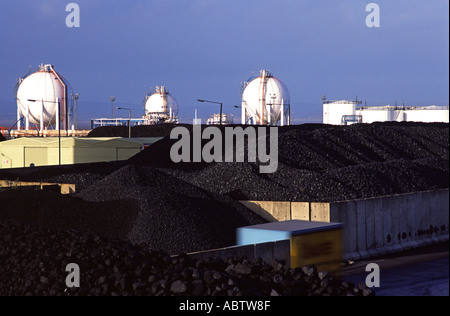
{"x": 361, "y": 228}
{"x": 378, "y": 211}
{"x": 320, "y": 212}
{"x": 300, "y": 211}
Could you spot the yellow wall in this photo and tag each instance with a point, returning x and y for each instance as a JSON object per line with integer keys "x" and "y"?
{"x": 35, "y": 156}
{"x": 11, "y": 157}
{"x": 23, "y": 152}
{"x": 279, "y": 211}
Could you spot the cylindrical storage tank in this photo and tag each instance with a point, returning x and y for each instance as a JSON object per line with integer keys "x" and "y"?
{"x": 428, "y": 114}
{"x": 265, "y": 101}
{"x": 38, "y": 95}
{"x": 394, "y": 114}
{"x": 161, "y": 106}
{"x": 391, "y": 115}
{"x": 399, "y": 115}
{"x": 375, "y": 114}
{"x": 334, "y": 111}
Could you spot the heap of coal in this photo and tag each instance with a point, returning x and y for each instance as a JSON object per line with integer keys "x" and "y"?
{"x": 33, "y": 261}
{"x": 173, "y": 215}
{"x": 193, "y": 206}
{"x": 178, "y": 208}
{"x": 326, "y": 163}
{"x": 82, "y": 175}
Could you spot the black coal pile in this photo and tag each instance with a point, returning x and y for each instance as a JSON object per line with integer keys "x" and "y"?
{"x": 192, "y": 206}
{"x": 316, "y": 163}
{"x": 172, "y": 215}
{"x": 150, "y": 202}
{"x": 82, "y": 175}
{"x": 326, "y": 163}
{"x": 33, "y": 261}
{"x": 242, "y": 181}
{"x": 336, "y": 147}
{"x": 50, "y": 209}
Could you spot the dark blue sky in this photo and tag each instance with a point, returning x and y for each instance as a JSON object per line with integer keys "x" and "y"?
{"x": 207, "y": 48}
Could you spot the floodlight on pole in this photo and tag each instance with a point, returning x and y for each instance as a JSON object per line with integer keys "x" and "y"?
{"x": 129, "y": 120}
{"x": 215, "y": 102}
{"x": 75, "y": 98}
{"x": 112, "y": 105}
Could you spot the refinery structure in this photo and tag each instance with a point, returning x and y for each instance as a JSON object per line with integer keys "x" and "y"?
{"x": 346, "y": 112}
{"x": 44, "y": 100}
{"x": 215, "y": 119}
{"x": 46, "y": 105}
{"x": 265, "y": 101}
{"x": 160, "y": 107}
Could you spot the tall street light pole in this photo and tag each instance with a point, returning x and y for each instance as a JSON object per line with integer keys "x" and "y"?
{"x": 214, "y": 103}
{"x": 129, "y": 120}
{"x": 112, "y": 105}
{"x": 59, "y": 123}
{"x": 75, "y": 98}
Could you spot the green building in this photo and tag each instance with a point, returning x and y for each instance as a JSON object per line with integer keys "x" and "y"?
{"x": 47, "y": 151}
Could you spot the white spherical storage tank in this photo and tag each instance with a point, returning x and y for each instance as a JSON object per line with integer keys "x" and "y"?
{"x": 41, "y": 96}
{"x": 265, "y": 101}
{"x": 161, "y": 107}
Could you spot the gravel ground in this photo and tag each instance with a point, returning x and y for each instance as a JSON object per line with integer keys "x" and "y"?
{"x": 33, "y": 263}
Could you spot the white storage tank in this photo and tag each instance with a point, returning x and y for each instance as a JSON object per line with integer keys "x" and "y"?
{"x": 428, "y": 114}
{"x": 395, "y": 115}
{"x": 340, "y": 112}
{"x": 42, "y": 99}
{"x": 161, "y": 107}
{"x": 265, "y": 101}
{"x": 374, "y": 114}
{"x": 335, "y": 111}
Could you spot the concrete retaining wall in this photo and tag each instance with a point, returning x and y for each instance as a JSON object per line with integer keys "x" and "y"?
{"x": 279, "y": 211}
{"x": 373, "y": 226}
{"x": 65, "y": 188}
{"x": 391, "y": 224}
